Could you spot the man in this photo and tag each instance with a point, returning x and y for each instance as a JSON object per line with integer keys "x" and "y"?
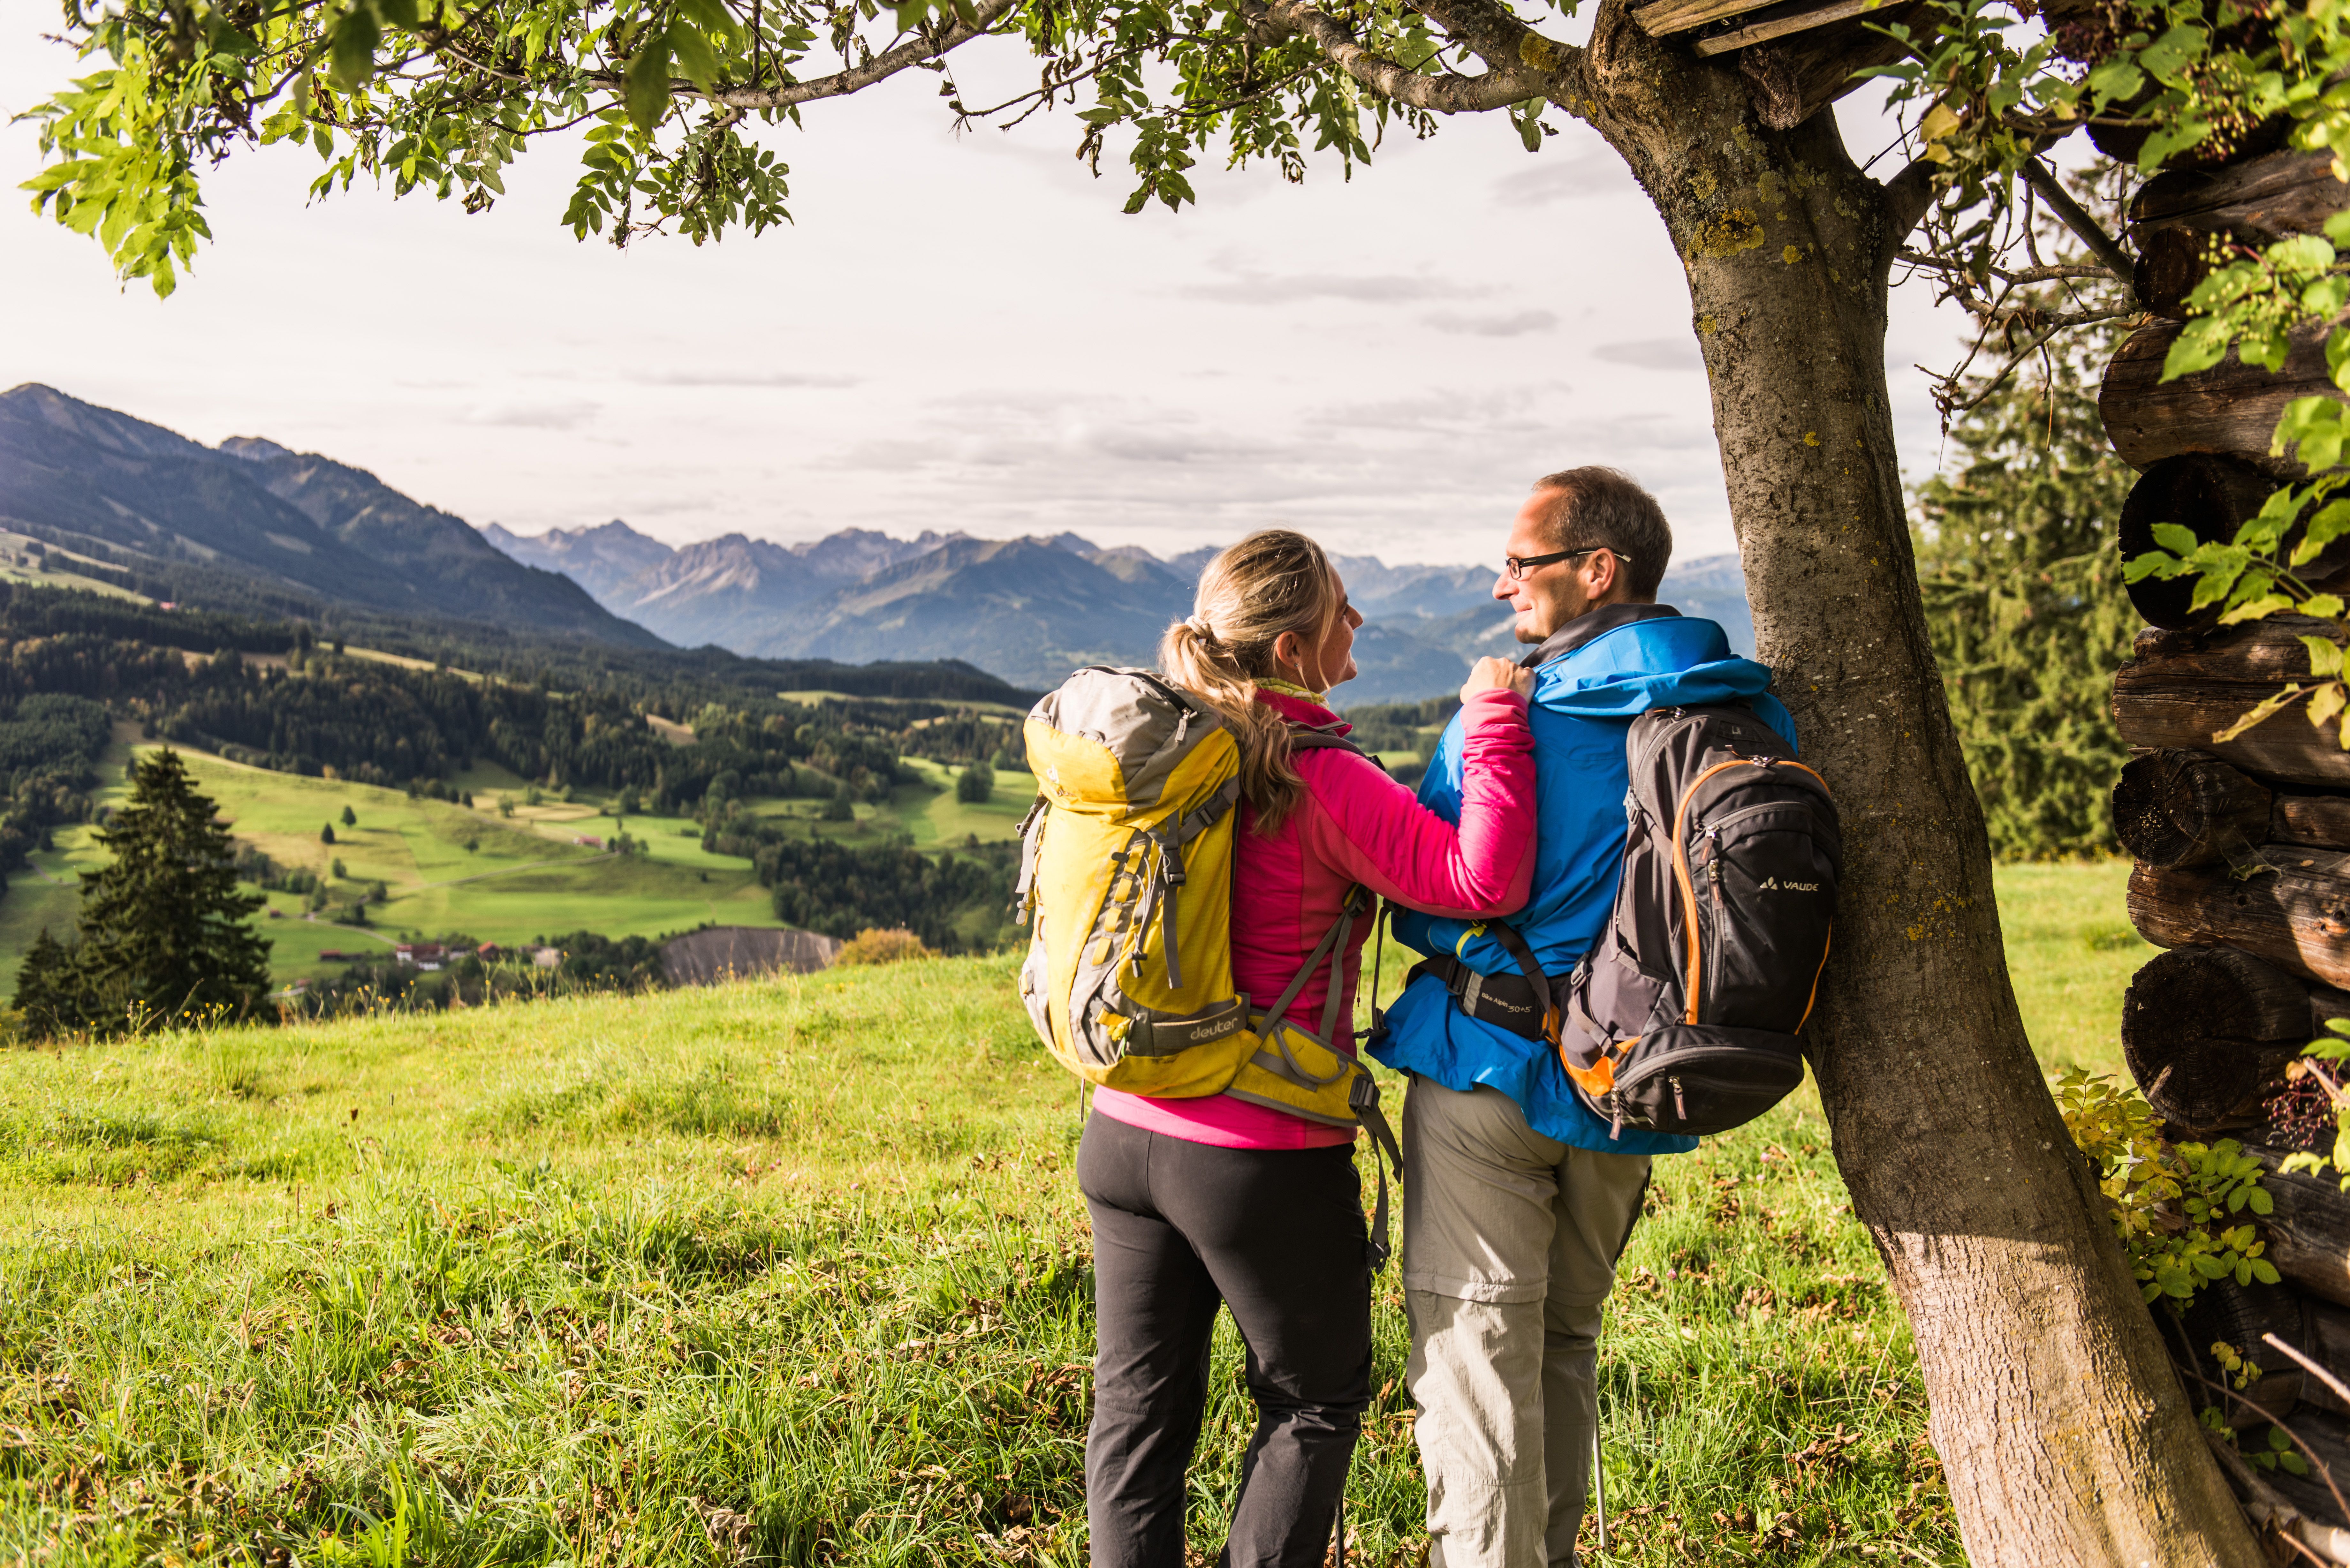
{"x": 1517, "y": 1198}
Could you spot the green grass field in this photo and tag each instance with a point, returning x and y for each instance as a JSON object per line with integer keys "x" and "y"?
{"x": 796, "y": 1270}
{"x": 503, "y": 878}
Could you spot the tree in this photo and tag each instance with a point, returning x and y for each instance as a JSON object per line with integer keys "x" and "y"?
{"x": 2024, "y": 600}
{"x": 2060, "y": 1425}
{"x": 327, "y": 834}
{"x": 350, "y": 818}
{"x": 975, "y": 785}
{"x": 163, "y": 935}
{"x": 45, "y": 990}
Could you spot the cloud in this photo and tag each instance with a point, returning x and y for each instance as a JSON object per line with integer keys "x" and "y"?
{"x": 743, "y": 378}
{"x": 1591, "y": 174}
{"x": 1653, "y": 354}
{"x": 1259, "y": 288}
{"x": 555, "y": 415}
{"x": 1515, "y": 324}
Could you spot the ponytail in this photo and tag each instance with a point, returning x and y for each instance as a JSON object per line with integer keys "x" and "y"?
{"x": 1271, "y": 582}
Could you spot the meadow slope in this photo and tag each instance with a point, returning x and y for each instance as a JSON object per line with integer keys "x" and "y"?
{"x": 794, "y": 1272}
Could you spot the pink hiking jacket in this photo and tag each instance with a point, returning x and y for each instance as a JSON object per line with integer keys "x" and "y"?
{"x": 1357, "y": 825}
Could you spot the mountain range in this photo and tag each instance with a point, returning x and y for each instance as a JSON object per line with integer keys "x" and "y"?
{"x": 295, "y": 527}
{"x": 1030, "y": 609}
{"x": 252, "y": 525}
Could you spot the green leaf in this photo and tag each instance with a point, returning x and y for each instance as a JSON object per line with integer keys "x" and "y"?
{"x": 2260, "y": 1203}
{"x": 694, "y": 56}
{"x": 2325, "y": 703}
{"x": 2170, "y": 140}
{"x": 351, "y": 55}
{"x": 2179, "y": 540}
{"x": 2201, "y": 344}
{"x": 2292, "y": 1462}
{"x": 2266, "y": 710}
{"x": 645, "y": 86}
{"x": 2322, "y": 607}
{"x": 2256, "y": 609}
{"x": 2325, "y": 654}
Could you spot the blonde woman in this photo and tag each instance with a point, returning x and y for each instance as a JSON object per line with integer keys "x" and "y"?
{"x": 1202, "y": 1203}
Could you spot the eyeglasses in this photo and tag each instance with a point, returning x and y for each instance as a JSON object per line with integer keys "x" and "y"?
{"x": 1517, "y": 566}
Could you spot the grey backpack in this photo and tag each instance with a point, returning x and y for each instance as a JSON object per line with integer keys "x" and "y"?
{"x": 1684, "y": 1017}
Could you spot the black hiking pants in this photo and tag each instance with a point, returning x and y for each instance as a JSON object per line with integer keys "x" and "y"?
{"x": 1278, "y": 1236}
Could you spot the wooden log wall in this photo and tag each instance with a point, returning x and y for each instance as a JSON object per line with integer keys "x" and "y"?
{"x": 2243, "y": 847}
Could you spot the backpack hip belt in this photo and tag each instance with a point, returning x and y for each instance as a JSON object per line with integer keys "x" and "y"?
{"x": 1504, "y": 1001}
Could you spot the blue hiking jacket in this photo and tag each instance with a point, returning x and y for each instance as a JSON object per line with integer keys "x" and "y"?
{"x": 1591, "y": 680}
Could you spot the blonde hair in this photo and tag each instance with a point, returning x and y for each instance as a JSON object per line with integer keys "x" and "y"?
{"x": 1271, "y": 582}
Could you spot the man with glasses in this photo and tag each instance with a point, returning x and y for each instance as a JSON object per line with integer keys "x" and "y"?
{"x": 1517, "y": 1198}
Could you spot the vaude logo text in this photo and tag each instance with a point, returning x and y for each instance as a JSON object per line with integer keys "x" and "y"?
{"x": 1773, "y": 884}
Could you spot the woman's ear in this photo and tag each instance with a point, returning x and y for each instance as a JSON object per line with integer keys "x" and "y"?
{"x": 1286, "y": 649}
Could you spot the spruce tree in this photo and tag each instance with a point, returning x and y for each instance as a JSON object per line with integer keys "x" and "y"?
{"x": 44, "y": 988}
{"x": 163, "y": 929}
{"x": 2024, "y": 602}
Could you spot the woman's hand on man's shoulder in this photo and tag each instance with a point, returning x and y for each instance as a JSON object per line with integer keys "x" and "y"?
{"x": 1492, "y": 674}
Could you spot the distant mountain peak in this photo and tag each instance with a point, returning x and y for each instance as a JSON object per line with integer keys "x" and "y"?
{"x": 251, "y": 516}
{"x": 253, "y": 449}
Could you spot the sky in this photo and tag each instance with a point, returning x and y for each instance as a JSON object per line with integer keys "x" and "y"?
{"x": 955, "y": 333}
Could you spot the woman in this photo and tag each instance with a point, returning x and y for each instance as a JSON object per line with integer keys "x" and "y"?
{"x": 1199, "y": 1202}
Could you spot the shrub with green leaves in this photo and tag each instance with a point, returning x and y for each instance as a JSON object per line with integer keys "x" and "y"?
{"x": 2172, "y": 1203}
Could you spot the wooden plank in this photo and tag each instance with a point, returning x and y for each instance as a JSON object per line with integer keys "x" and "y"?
{"x": 2295, "y": 914}
{"x": 2256, "y": 202}
{"x": 2231, "y": 410}
{"x": 2205, "y": 1030}
{"x": 1780, "y": 27}
{"x": 2175, "y": 216}
{"x": 2182, "y": 687}
{"x": 1791, "y": 79}
{"x": 2181, "y": 807}
{"x": 2308, "y": 1232}
{"x": 1660, "y": 18}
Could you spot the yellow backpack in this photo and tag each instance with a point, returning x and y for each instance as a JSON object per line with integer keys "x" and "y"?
{"x": 1125, "y": 877}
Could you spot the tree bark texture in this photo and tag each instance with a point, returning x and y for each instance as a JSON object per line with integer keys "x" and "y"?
{"x": 2059, "y": 1422}
{"x": 2205, "y": 1030}
{"x": 2231, "y": 410}
{"x": 2290, "y": 908}
{"x": 2182, "y": 687}
{"x": 2180, "y": 808}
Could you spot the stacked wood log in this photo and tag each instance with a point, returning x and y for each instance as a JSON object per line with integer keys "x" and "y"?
{"x": 2243, "y": 846}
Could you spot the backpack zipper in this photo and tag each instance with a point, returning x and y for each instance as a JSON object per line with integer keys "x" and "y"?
{"x": 1680, "y": 1106}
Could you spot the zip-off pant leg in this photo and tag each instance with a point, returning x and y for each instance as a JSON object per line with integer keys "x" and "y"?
{"x": 1510, "y": 1243}
{"x": 1277, "y": 1235}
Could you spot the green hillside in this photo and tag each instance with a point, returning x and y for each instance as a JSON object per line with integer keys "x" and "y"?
{"x": 492, "y": 876}
{"x": 761, "y": 1271}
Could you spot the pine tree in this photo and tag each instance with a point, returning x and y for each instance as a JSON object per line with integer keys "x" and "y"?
{"x": 2024, "y": 603}
{"x": 163, "y": 929}
{"x": 44, "y": 988}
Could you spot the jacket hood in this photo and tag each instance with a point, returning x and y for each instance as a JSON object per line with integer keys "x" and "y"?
{"x": 1652, "y": 662}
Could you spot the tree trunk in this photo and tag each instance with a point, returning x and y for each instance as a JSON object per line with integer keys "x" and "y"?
{"x": 2061, "y": 1428}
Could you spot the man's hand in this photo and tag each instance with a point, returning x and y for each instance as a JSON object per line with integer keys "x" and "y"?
{"x": 1498, "y": 675}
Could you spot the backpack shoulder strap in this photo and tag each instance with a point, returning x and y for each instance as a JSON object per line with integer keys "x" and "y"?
{"x": 1311, "y": 738}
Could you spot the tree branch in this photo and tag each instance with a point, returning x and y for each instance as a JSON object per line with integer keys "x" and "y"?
{"x": 1445, "y": 94}
{"x": 1508, "y": 45}
{"x": 889, "y": 63}
{"x": 2068, "y": 212}
{"x": 1908, "y": 197}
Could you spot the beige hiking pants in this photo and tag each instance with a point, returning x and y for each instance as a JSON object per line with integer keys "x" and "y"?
{"x": 1510, "y": 1241}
